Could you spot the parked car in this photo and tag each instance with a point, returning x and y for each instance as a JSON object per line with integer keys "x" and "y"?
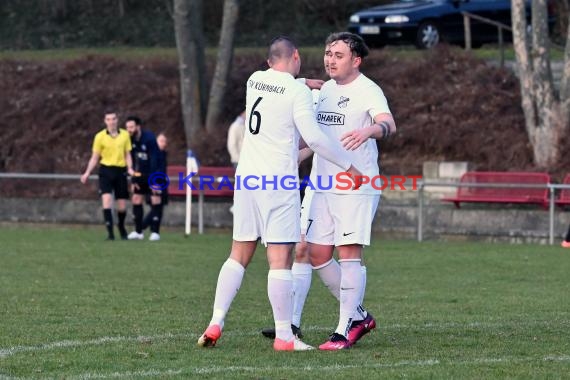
{"x": 425, "y": 23}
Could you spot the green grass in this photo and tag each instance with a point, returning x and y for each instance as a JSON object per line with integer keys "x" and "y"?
{"x": 120, "y": 52}
{"x": 74, "y": 306}
{"x": 493, "y": 52}
{"x": 489, "y": 52}
{"x": 130, "y": 53}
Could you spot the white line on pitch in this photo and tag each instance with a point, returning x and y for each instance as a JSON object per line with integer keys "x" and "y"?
{"x": 10, "y": 351}
{"x": 5, "y": 352}
{"x": 273, "y": 369}
{"x": 6, "y": 377}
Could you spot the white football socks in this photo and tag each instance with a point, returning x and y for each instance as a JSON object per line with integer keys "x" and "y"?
{"x": 229, "y": 282}
{"x": 330, "y": 273}
{"x": 350, "y": 292}
{"x": 360, "y": 313}
{"x": 302, "y": 276}
{"x": 280, "y": 292}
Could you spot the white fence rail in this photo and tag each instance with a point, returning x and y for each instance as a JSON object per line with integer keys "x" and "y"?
{"x": 551, "y": 187}
{"x": 77, "y": 177}
{"x": 420, "y": 197}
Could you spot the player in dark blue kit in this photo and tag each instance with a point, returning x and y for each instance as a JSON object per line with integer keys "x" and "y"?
{"x": 154, "y": 217}
{"x": 145, "y": 162}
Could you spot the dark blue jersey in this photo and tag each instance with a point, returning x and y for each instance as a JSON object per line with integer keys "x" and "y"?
{"x": 145, "y": 153}
{"x": 161, "y": 162}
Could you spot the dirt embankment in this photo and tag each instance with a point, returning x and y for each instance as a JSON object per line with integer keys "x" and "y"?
{"x": 447, "y": 105}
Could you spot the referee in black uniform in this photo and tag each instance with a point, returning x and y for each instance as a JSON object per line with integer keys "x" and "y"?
{"x": 112, "y": 150}
{"x": 145, "y": 162}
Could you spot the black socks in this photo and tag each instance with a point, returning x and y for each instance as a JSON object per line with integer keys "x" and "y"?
{"x": 108, "y": 218}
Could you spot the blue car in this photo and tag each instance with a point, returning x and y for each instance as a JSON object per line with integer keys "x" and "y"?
{"x": 425, "y": 23}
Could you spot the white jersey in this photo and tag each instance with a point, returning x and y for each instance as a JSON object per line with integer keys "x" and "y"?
{"x": 342, "y": 109}
{"x": 313, "y": 176}
{"x": 271, "y": 143}
{"x": 279, "y": 110}
{"x": 235, "y": 138}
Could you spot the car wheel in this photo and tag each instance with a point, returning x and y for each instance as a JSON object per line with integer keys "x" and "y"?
{"x": 428, "y": 35}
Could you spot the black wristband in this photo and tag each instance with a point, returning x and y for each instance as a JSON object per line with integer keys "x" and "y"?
{"x": 385, "y": 129}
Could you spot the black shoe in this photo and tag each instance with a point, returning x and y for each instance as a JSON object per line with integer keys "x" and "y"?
{"x": 123, "y": 232}
{"x": 269, "y": 332}
{"x": 110, "y": 238}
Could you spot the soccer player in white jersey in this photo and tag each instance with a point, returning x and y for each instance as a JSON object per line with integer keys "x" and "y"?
{"x": 354, "y": 110}
{"x": 279, "y": 111}
{"x": 302, "y": 269}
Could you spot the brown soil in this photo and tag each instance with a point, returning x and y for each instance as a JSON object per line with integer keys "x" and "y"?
{"x": 447, "y": 105}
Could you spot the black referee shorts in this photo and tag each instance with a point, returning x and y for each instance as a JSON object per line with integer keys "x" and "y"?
{"x": 113, "y": 180}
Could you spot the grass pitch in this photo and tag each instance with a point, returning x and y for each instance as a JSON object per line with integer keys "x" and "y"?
{"x": 74, "y": 306}
{"x": 488, "y": 52}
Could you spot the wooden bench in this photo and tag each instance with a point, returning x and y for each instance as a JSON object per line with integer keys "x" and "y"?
{"x": 211, "y": 181}
{"x": 496, "y": 194}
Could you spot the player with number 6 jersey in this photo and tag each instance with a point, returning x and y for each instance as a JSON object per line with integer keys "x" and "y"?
{"x": 279, "y": 111}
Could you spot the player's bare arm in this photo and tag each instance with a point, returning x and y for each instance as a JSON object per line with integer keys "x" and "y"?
{"x": 356, "y": 175}
{"x": 304, "y": 153}
{"x": 383, "y": 127}
{"x": 129, "y": 161}
{"x": 314, "y": 84}
{"x": 90, "y": 166}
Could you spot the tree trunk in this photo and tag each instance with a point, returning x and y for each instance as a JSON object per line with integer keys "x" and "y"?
{"x": 60, "y": 9}
{"x": 524, "y": 65}
{"x": 223, "y": 64}
{"x": 565, "y": 82}
{"x": 188, "y": 58}
{"x": 168, "y": 4}
{"x": 562, "y": 11}
{"x": 121, "y": 5}
{"x": 200, "y": 76}
{"x": 543, "y": 116}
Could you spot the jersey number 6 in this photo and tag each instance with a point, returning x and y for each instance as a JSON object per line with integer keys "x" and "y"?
{"x": 255, "y": 130}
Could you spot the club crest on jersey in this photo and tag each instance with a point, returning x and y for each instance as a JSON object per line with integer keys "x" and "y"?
{"x": 330, "y": 118}
{"x": 343, "y": 102}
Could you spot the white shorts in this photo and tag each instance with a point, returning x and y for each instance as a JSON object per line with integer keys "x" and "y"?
{"x": 341, "y": 219}
{"x": 272, "y": 216}
{"x": 305, "y": 208}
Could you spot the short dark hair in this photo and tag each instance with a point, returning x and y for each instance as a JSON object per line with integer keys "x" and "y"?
{"x": 281, "y": 47}
{"x": 109, "y": 111}
{"x": 354, "y": 41}
{"x": 136, "y": 119}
